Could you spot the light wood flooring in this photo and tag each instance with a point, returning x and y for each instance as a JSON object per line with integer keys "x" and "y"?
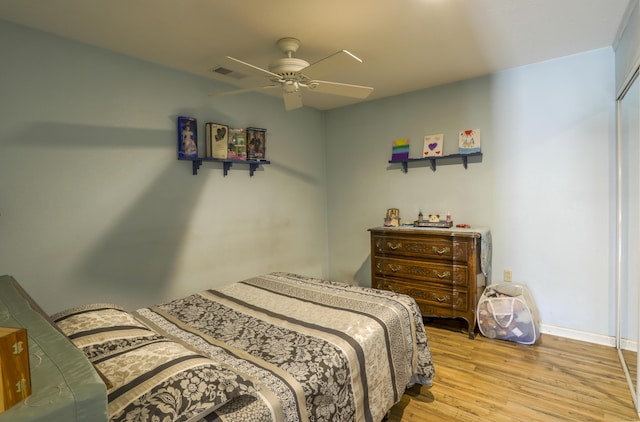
{"x": 557, "y": 379}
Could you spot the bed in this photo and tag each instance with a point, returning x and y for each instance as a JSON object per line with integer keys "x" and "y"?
{"x": 277, "y": 347}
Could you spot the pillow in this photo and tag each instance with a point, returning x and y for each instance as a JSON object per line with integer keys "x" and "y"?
{"x": 152, "y": 377}
{"x": 102, "y": 329}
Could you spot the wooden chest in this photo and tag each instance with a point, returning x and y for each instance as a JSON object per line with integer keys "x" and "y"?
{"x": 14, "y": 367}
{"x": 439, "y": 268}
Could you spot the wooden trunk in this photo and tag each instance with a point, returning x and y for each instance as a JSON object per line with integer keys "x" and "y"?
{"x": 14, "y": 367}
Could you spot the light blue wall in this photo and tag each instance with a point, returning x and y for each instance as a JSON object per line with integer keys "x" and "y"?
{"x": 94, "y": 206}
{"x": 545, "y": 186}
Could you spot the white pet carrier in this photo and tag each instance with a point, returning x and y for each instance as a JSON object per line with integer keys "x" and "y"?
{"x": 506, "y": 311}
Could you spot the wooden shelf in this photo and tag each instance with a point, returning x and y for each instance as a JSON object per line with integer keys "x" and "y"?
{"x": 445, "y": 158}
{"x": 226, "y": 163}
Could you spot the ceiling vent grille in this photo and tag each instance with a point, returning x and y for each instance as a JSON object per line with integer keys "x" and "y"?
{"x": 228, "y": 72}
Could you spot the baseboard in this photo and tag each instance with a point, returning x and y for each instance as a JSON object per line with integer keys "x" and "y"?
{"x": 629, "y": 345}
{"x": 579, "y": 335}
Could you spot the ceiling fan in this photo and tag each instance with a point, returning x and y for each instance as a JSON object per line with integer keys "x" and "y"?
{"x": 294, "y": 75}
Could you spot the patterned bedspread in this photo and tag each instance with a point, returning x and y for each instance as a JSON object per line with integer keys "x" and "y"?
{"x": 315, "y": 350}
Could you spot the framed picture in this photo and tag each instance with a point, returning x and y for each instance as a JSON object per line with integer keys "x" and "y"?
{"x": 469, "y": 141}
{"x": 187, "y": 137}
{"x": 217, "y": 136}
{"x": 392, "y": 218}
{"x": 433, "y": 145}
{"x": 256, "y": 143}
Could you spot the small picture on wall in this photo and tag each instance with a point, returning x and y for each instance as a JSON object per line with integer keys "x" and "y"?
{"x": 433, "y": 145}
{"x": 187, "y": 137}
{"x": 469, "y": 141}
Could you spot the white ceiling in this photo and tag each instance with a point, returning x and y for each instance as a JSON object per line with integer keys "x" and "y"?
{"x": 405, "y": 45}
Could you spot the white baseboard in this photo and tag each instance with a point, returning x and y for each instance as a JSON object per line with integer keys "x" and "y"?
{"x": 579, "y": 335}
{"x": 628, "y": 345}
{"x": 601, "y": 339}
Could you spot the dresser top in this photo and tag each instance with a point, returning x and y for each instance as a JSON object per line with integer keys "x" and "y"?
{"x": 453, "y": 231}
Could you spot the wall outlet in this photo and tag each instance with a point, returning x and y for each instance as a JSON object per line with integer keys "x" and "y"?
{"x": 508, "y": 275}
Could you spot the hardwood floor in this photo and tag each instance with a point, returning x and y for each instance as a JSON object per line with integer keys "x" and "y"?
{"x": 557, "y": 379}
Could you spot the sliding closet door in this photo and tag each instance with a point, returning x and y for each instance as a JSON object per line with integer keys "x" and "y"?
{"x": 629, "y": 231}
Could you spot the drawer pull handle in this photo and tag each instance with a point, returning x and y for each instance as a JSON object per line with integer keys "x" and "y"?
{"x": 395, "y": 268}
{"x": 441, "y": 299}
{"x": 440, "y": 251}
{"x": 442, "y": 275}
{"x": 394, "y": 247}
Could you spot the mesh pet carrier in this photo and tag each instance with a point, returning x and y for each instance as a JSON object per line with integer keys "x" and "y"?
{"x": 506, "y": 311}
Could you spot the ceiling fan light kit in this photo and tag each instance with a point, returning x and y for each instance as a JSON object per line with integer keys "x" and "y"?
{"x": 291, "y": 74}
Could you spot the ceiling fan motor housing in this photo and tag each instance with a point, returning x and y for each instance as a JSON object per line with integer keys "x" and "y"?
{"x": 287, "y": 66}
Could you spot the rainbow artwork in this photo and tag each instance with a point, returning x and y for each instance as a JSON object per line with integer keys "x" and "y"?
{"x": 400, "y": 150}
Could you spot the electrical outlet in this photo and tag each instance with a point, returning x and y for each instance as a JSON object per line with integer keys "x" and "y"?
{"x": 508, "y": 275}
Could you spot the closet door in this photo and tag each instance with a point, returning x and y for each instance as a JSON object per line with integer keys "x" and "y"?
{"x": 629, "y": 232}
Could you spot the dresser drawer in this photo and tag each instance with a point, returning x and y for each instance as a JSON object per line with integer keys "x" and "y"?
{"x": 432, "y": 300}
{"x": 428, "y": 248}
{"x": 441, "y": 273}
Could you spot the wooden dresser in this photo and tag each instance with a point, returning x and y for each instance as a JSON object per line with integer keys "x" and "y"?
{"x": 439, "y": 268}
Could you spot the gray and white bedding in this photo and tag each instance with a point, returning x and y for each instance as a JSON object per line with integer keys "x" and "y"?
{"x": 149, "y": 377}
{"x": 278, "y": 347}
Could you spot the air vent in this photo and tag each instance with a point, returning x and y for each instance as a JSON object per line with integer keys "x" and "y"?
{"x": 221, "y": 70}
{"x": 228, "y": 72}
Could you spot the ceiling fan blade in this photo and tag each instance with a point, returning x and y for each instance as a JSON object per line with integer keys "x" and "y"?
{"x": 336, "y": 88}
{"x": 258, "y": 71}
{"x": 339, "y": 60}
{"x": 242, "y": 91}
{"x": 292, "y": 100}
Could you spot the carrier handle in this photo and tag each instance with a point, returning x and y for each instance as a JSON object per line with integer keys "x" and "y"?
{"x": 493, "y": 312}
